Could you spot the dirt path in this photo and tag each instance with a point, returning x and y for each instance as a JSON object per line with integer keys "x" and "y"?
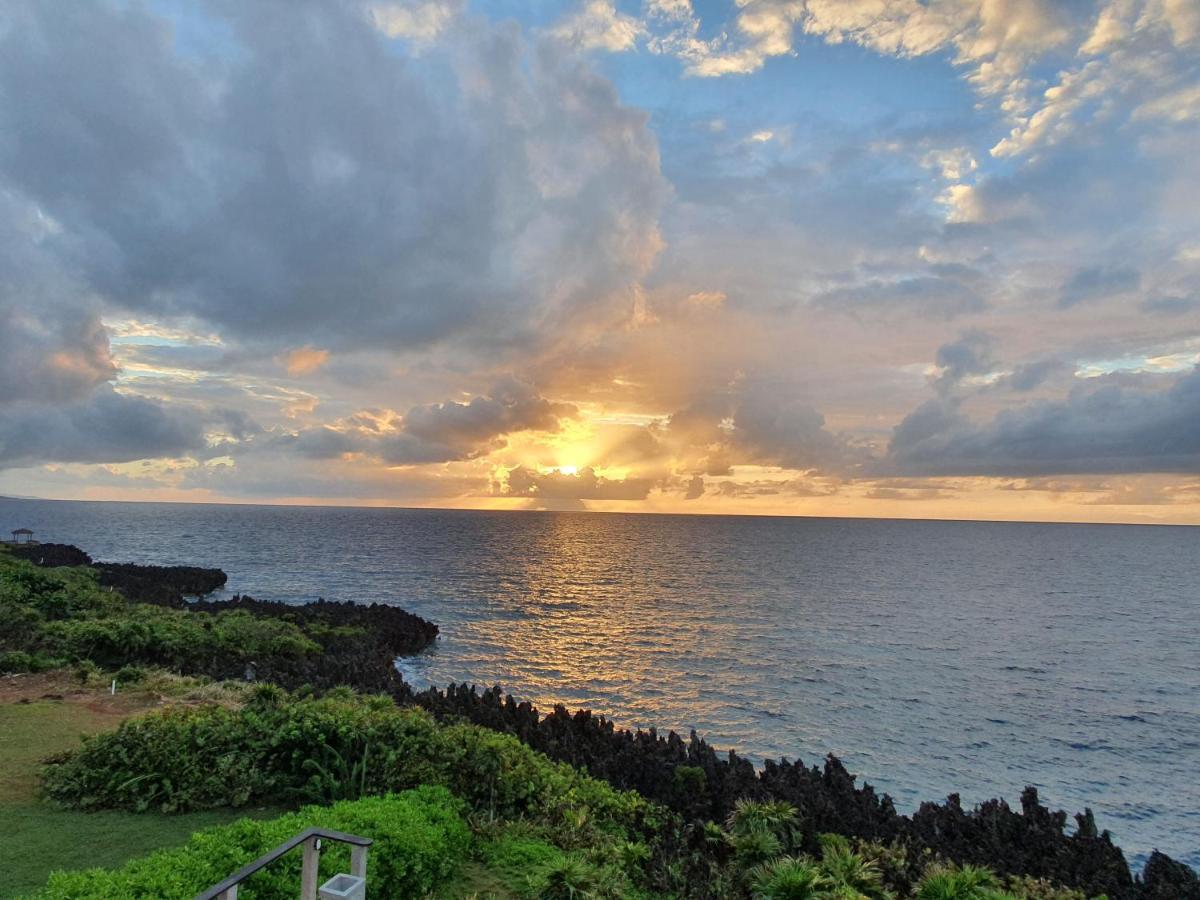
{"x": 62, "y": 687}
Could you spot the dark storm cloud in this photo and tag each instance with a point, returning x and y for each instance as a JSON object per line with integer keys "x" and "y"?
{"x": 1106, "y": 429}
{"x": 107, "y": 427}
{"x": 302, "y": 175}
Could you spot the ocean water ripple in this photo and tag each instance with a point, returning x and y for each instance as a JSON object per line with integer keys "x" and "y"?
{"x": 932, "y": 657}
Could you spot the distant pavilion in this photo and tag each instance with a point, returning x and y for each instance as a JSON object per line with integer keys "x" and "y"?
{"x": 22, "y": 536}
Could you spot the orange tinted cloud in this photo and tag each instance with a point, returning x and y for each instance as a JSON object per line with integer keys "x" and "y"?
{"x": 305, "y": 360}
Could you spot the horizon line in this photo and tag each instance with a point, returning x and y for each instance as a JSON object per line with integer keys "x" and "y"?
{"x": 613, "y": 512}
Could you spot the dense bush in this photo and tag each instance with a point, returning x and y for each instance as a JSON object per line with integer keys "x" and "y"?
{"x": 276, "y": 750}
{"x": 176, "y": 639}
{"x": 66, "y": 614}
{"x": 420, "y": 839}
{"x": 12, "y": 661}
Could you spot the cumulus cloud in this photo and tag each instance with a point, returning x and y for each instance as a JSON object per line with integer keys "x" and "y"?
{"x": 1139, "y": 50}
{"x": 758, "y": 422}
{"x": 597, "y": 24}
{"x": 418, "y": 21}
{"x": 436, "y": 432}
{"x": 969, "y": 355}
{"x": 107, "y": 427}
{"x": 51, "y": 356}
{"x": 582, "y": 485}
{"x": 783, "y": 430}
{"x": 992, "y": 40}
{"x": 392, "y": 202}
{"x": 447, "y": 431}
{"x": 53, "y": 346}
{"x": 1106, "y": 429}
{"x": 302, "y": 179}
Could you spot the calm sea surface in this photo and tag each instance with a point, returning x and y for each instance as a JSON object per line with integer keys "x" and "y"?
{"x": 931, "y": 656}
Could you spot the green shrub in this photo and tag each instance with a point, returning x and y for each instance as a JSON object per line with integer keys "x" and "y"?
{"x": 174, "y": 637}
{"x": 791, "y": 878}
{"x": 960, "y": 883}
{"x": 14, "y": 661}
{"x": 572, "y": 877}
{"x": 130, "y": 675}
{"x": 275, "y": 750}
{"x": 514, "y": 853}
{"x": 857, "y": 875}
{"x": 87, "y": 672}
{"x": 753, "y": 818}
{"x": 64, "y": 613}
{"x": 420, "y": 840}
{"x": 1029, "y": 888}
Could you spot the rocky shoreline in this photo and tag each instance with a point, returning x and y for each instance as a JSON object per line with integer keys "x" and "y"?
{"x": 361, "y": 642}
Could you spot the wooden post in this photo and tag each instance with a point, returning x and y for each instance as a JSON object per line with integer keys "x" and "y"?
{"x": 229, "y": 894}
{"x": 308, "y": 869}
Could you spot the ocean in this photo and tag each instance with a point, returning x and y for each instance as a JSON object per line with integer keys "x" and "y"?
{"x": 932, "y": 657}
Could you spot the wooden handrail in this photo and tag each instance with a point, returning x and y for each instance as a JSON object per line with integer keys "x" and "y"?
{"x": 310, "y": 838}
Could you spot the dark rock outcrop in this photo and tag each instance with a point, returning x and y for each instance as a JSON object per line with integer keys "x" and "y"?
{"x": 161, "y": 585}
{"x": 50, "y": 556}
{"x": 360, "y": 642}
{"x": 394, "y": 630}
{"x": 692, "y": 778}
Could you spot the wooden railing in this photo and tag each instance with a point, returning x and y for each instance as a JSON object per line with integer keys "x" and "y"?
{"x": 311, "y": 839}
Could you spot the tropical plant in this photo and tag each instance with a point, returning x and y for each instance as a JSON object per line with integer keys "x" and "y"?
{"x": 571, "y": 877}
{"x": 948, "y": 882}
{"x": 755, "y": 846}
{"x": 858, "y": 876}
{"x": 791, "y": 878}
{"x": 773, "y": 816}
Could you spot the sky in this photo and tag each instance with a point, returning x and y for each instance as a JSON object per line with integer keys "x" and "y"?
{"x": 902, "y": 258}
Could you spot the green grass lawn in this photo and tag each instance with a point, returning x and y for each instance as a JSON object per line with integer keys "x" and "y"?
{"x": 40, "y": 838}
